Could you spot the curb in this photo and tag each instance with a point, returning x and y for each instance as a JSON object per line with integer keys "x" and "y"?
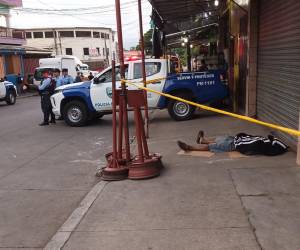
{"x": 27, "y": 96}
{"x": 63, "y": 234}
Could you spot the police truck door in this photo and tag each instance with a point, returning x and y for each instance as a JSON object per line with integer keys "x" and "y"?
{"x": 154, "y": 69}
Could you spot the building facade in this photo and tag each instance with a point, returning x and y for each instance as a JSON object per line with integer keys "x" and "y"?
{"x": 95, "y": 46}
{"x": 11, "y": 41}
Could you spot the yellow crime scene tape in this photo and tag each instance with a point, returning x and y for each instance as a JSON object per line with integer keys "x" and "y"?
{"x": 241, "y": 117}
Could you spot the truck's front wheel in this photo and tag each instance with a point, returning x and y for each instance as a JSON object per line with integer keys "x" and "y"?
{"x": 75, "y": 114}
{"x": 181, "y": 111}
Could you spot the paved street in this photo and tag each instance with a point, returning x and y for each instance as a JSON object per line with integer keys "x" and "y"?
{"x": 207, "y": 203}
{"x": 44, "y": 172}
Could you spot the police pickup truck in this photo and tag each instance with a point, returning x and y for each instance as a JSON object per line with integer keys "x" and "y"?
{"x": 79, "y": 102}
{"x": 8, "y": 92}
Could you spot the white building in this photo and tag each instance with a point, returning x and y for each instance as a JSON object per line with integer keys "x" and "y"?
{"x": 95, "y": 46}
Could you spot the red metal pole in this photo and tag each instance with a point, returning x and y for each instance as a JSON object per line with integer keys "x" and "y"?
{"x": 143, "y": 136}
{"x": 114, "y": 161}
{"x": 120, "y": 39}
{"x": 138, "y": 128}
{"x": 126, "y": 129}
{"x": 122, "y": 71}
{"x": 143, "y": 65}
{"x": 120, "y": 129}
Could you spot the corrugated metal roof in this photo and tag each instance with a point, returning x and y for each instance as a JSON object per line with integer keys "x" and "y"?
{"x": 178, "y": 15}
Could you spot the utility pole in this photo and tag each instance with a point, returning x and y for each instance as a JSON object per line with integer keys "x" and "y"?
{"x": 106, "y": 54}
{"x": 55, "y": 41}
{"x": 60, "y": 46}
{"x": 142, "y": 44}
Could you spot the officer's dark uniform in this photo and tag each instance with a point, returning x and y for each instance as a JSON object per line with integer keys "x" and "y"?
{"x": 45, "y": 92}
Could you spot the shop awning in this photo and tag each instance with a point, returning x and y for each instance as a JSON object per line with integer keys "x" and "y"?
{"x": 10, "y": 49}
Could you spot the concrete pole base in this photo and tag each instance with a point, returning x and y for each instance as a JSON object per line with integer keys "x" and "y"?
{"x": 114, "y": 174}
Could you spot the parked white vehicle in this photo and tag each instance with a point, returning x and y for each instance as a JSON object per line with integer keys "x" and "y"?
{"x": 55, "y": 63}
{"x": 82, "y": 67}
{"x": 8, "y": 92}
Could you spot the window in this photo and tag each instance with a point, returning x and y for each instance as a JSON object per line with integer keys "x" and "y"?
{"x": 104, "y": 35}
{"x": 106, "y": 77}
{"x": 28, "y": 35}
{"x": 96, "y": 34}
{"x": 86, "y": 51}
{"x": 152, "y": 68}
{"x": 103, "y": 52}
{"x": 98, "y": 50}
{"x": 107, "y": 51}
{"x": 69, "y": 51}
{"x": 38, "y": 35}
{"x": 83, "y": 34}
{"x": 49, "y": 34}
{"x": 66, "y": 33}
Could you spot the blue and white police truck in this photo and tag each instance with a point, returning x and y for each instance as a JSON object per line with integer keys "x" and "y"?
{"x": 8, "y": 92}
{"x": 79, "y": 102}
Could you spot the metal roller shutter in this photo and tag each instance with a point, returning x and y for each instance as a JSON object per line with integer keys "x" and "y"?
{"x": 278, "y": 83}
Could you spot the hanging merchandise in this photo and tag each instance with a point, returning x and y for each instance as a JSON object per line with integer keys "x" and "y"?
{"x": 156, "y": 44}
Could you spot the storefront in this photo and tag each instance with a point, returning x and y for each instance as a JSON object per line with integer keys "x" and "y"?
{"x": 31, "y": 60}
{"x": 264, "y": 60}
{"x": 11, "y": 61}
{"x": 261, "y": 43}
{"x": 278, "y": 75}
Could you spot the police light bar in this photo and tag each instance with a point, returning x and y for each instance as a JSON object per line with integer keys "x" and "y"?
{"x": 132, "y": 58}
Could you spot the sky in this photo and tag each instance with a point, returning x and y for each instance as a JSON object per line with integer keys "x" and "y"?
{"x": 103, "y": 17}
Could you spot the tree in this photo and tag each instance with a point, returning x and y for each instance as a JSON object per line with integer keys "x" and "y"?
{"x": 147, "y": 42}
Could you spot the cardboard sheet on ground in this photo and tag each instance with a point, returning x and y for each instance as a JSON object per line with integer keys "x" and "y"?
{"x": 196, "y": 153}
{"x": 231, "y": 155}
{"x": 236, "y": 155}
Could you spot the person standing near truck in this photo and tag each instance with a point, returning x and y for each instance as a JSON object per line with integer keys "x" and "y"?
{"x": 66, "y": 78}
{"x": 19, "y": 83}
{"x": 90, "y": 77}
{"x": 78, "y": 77}
{"x": 57, "y": 77}
{"x": 46, "y": 89}
{"x": 82, "y": 77}
{"x": 203, "y": 66}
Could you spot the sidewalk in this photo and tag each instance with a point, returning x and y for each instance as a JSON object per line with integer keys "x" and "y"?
{"x": 209, "y": 203}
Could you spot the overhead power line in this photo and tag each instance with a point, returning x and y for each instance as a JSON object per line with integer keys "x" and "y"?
{"x": 76, "y": 13}
{"x": 90, "y": 10}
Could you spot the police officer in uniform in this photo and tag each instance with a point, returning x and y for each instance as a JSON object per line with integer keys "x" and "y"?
{"x": 66, "y": 78}
{"x": 57, "y": 77}
{"x": 45, "y": 90}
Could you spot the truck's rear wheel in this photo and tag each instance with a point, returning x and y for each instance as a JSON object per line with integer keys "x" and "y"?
{"x": 181, "y": 111}
{"x": 75, "y": 114}
{"x": 11, "y": 97}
